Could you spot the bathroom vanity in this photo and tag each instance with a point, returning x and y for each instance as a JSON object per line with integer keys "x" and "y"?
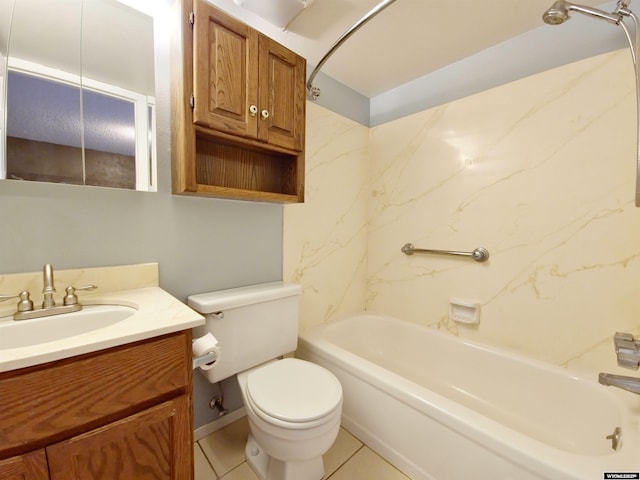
{"x": 112, "y": 403}
{"x": 108, "y": 414}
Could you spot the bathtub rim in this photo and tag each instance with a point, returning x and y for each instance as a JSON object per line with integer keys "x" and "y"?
{"x": 474, "y": 426}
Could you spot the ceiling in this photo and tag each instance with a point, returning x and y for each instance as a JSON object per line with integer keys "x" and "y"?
{"x": 407, "y": 40}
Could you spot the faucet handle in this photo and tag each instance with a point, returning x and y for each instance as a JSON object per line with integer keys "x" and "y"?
{"x": 628, "y": 360}
{"x": 71, "y": 298}
{"x": 24, "y": 305}
{"x": 627, "y": 350}
{"x": 625, "y": 340}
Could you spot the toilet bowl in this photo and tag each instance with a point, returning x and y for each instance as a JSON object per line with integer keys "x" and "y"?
{"x": 294, "y": 410}
{"x": 293, "y": 406}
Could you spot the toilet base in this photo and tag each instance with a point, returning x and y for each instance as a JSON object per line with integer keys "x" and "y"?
{"x": 269, "y": 468}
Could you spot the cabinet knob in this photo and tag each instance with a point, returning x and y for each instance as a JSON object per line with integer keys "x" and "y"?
{"x": 253, "y": 110}
{"x": 264, "y": 114}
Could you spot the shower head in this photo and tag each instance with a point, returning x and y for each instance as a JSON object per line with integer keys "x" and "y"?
{"x": 559, "y": 13}
{"x": 556, "y": 14}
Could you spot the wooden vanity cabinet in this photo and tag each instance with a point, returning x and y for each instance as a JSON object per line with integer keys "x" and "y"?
{"x": 238, "y": 110}
{"x": 122, "y": 413}
{"x": 31, "y": 466}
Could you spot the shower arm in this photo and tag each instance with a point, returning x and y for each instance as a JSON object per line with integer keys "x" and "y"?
{"x": 615, "y": 17}
{"x": 314, "y": 92}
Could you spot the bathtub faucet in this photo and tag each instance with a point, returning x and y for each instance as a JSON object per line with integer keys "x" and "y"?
{"x": 627, "y": 350}
{"x": 628, "y": 354}
{"x": 630, "y": 384}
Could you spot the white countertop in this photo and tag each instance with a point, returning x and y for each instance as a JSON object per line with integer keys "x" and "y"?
{"x": 158, "y": 313}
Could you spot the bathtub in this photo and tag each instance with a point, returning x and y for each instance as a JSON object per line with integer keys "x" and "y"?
{"x": 439, "y": 407}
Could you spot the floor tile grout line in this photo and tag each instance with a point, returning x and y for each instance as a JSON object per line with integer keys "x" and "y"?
{"x": 208, "y": 461}
{"x": 235, "y": 468}
{"x": 362, "y": 445}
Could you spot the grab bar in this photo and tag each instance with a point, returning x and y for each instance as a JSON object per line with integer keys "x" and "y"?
{"x": 480, "y": 254}
{"x": 314, "y": 92}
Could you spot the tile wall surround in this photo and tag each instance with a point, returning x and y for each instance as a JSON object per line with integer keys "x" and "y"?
{"x": 324, "y": 239}
{"x": 540, "y": 171}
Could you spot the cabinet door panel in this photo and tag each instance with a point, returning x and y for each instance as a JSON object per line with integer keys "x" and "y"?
{"x": 155, "y": 444}
{"x": 77, "y": 394}
{"x": 282, "y": 94}
{"x": 31, "y": 466}
{"x": 225, "y": 76}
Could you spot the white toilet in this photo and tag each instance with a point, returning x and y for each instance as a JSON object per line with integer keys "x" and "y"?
{"x": 293, "y": 406}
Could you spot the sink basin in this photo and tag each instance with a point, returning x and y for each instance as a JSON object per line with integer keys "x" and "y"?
{"x": 25, "y": 333}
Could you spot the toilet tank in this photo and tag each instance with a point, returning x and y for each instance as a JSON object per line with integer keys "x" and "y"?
{"x": 253, "y": 324}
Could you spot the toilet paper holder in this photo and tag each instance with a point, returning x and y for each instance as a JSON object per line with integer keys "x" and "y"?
{"x": 205, "y": 351}
{"x": 204, "y": 359}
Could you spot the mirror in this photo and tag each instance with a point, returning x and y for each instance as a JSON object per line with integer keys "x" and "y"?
{"x": 79, "y": 94}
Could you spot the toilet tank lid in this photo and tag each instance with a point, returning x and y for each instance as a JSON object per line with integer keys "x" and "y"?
{"x": 242, "y": 296}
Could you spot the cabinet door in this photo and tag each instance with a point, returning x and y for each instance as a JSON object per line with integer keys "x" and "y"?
{"x": 282, "y": 95}
{"x": 31, "y": 466}
{"x": 225, "y": 73}
{"x": 155, "y": 444}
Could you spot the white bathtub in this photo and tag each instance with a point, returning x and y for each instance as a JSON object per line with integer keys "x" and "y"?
{"x": 439, "y": 407}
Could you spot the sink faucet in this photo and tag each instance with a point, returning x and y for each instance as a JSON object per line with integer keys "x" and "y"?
{"x": 628, "y": 355}
{"x": 70, "y": 303}
{"x": 48, "y": 287}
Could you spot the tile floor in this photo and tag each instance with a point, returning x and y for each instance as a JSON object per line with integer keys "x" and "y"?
{"x": 221, "y": 456}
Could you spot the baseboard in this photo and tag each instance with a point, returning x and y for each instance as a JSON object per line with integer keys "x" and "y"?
{"x": 216, "y": 425}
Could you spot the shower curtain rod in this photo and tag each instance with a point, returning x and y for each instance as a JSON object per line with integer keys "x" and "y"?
{"x": 314, "y": 92}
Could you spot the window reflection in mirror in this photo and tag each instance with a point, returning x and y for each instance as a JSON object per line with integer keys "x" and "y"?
{"x": 44, "y": 136}
{"x": 109, "y": 140}
{"x": 80, "y": 95}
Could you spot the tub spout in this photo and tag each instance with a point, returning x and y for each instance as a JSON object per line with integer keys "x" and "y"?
{"x": 630, "y": 384}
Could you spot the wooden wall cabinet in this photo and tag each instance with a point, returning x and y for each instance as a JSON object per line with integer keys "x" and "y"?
{"x": 238, "y": 109}
{"x": 120, "y": 414}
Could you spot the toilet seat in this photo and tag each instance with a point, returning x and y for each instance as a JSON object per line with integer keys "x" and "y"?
{"x": 293, "y": 393}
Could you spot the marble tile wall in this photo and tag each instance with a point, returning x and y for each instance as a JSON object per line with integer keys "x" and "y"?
{"x": 541, "y": 172}
{"x": 324, "y": 239}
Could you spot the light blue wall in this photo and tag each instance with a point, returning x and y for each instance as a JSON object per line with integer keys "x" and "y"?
{"x": 201, "y": 244}
{"x": 341, "y": 99}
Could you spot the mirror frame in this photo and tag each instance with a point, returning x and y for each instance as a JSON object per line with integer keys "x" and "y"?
{"x": 144, "y": 104}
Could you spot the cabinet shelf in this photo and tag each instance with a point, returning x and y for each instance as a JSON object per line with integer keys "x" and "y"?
{"x": 224, "y": 167}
